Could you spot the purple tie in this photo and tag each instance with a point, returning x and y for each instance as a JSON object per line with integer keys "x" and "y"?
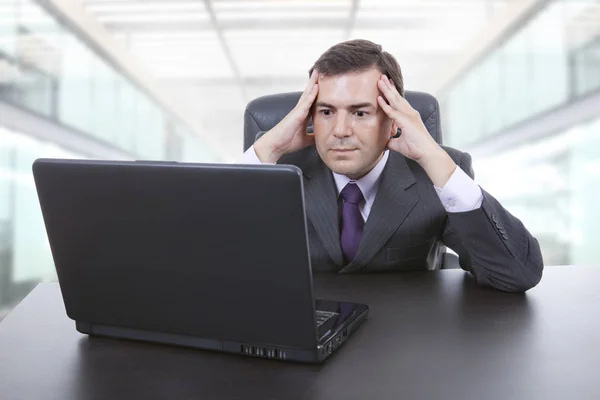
{"x": 352, "y": 222}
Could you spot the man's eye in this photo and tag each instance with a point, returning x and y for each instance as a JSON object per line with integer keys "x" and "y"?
{"x": 360, "y": 113}
{"x": 326, "y": 112}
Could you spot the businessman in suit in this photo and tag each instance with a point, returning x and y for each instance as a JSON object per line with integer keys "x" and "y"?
{"x": 380, "y": 193}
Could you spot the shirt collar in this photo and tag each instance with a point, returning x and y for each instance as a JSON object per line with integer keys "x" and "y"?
{"x": 368, "y": 183}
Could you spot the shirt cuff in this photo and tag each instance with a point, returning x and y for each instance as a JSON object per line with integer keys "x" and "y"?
{"x": 250, "y": 157}
{"x": 461, "y": 193}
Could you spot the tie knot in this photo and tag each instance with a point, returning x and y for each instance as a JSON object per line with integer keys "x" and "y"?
{"x": 351, "y": 193}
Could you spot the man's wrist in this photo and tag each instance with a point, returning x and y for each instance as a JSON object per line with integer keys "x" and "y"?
{"x": 438, "y": 165}
{"x": 266, "y": 152}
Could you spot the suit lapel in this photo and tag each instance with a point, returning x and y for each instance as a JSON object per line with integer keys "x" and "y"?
{"x": 394, "y": 201}
{"x": 322, "y": 207}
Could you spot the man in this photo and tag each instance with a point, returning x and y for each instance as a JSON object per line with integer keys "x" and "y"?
{"x": 377, "y": 201}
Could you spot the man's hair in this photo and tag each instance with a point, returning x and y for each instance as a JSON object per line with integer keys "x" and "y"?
{"x": 357, "y": 56}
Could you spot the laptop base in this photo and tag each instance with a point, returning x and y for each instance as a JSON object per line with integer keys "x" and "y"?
{"x": 311, "y": 355}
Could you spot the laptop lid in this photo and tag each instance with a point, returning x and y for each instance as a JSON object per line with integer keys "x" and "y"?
{"x": 209, "y": 250}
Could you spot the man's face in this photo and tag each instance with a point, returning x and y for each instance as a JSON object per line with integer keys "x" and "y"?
{"x": 351, "y": 130}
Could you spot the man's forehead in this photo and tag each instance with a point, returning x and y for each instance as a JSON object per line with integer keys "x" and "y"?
{"x": 368, "y": 77}
{"x": 356, "y": 87}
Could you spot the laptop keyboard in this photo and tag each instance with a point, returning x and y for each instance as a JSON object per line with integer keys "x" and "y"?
{"x": 324, "y": 316}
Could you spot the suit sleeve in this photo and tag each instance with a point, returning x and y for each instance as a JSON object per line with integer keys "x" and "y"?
{"x": 494, "y": 245}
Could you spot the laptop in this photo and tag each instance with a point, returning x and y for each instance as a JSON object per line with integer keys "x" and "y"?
{"x": 210, "y": 256}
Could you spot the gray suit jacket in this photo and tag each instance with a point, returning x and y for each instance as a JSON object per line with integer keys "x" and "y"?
{"x": 408, "y": 227}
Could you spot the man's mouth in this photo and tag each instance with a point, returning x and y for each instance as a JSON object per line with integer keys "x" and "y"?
{"x": 342, "y": 150}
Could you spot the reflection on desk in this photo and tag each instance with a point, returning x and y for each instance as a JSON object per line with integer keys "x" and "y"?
{"x": 429, "y": 335}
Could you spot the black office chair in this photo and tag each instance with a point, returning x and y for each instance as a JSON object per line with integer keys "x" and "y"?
{"x": 265, "y": 112}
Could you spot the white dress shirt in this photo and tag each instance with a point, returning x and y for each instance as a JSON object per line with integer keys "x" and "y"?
{"x": 460, "y": 194}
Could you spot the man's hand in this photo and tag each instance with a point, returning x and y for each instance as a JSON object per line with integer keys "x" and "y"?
{"x": 415, "y": 142}
{"x": 289, "y": 135}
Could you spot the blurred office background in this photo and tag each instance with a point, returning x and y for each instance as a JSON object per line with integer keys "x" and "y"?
{"x": 518, "y": 82}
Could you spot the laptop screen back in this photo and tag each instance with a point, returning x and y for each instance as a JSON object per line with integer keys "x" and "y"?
{"x": 215, "y": 251}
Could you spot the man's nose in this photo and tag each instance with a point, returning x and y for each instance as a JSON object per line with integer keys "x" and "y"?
{"x": 342, "y": 127}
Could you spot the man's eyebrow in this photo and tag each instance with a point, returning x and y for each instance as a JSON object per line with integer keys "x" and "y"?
{"x": 323, "y": 104}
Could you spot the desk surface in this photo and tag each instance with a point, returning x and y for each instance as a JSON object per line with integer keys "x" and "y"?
{"x": 430, "y": 335}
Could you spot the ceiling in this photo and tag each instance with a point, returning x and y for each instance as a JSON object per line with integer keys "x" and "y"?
{"x": 216, "y": 55}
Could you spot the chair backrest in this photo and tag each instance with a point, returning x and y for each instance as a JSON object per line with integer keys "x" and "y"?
{"x": 263, "y": 113}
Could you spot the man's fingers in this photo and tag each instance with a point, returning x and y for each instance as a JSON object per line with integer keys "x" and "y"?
{"x": 390, "y": 92}
{"x": 314, "y": 77}
{"x": 388, "y": 109}
{"x": 400, "y": 103}
{"x": 308, "y": 99}
{"x": 311, "y": 81}
{"x": 391, "y": 112}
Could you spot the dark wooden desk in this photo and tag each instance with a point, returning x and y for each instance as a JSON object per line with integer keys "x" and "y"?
{"x": 430, "y": 335}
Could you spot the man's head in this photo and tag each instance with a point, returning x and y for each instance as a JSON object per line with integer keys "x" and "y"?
{"x": 351, "y": 130}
